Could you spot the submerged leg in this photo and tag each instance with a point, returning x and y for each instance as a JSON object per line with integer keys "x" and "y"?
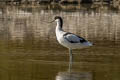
{"x": 70, "y": 59}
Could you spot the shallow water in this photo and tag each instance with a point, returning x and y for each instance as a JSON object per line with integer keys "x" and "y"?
{"x": 29, "y": 50}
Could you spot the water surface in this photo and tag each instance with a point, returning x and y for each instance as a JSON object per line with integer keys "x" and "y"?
{"x": 29, "y": 49}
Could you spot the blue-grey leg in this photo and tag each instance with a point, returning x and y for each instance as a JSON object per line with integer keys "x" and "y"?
{"x": 70, "y": 59}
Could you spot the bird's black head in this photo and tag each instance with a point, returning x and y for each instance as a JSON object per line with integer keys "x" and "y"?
{"x": 58, "y": 18}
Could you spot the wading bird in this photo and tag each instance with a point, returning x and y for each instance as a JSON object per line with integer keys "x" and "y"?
{"x": 69, "y": 40}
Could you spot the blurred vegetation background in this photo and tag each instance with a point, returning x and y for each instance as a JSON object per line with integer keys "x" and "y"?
{"x": 114, "y": 3}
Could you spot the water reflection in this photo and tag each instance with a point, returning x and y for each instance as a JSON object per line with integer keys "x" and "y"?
{"x": 72, "y": 75}
{"x": 19, "y": 23}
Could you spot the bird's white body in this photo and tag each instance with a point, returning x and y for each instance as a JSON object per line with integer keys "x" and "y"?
{"x": 64, "y": 39}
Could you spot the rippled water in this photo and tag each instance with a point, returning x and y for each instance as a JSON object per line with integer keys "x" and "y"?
{"x": 29, "y": 50}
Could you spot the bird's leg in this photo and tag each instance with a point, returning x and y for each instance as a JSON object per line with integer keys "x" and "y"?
{"x": 70, "y": 53}
{"x": 70, "y": 59}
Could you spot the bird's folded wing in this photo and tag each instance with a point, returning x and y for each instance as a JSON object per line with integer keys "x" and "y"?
{"x": 72, "y": 38}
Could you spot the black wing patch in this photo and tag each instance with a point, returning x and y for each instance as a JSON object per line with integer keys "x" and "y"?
{"x": 82, "y": 40}
{"x": 79, "y": 39}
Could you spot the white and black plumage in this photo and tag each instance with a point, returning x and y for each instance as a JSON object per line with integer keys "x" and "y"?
{"x": 69, "y": 40}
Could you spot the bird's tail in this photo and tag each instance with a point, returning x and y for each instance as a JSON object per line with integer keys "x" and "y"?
{"x": 90, "y": 44}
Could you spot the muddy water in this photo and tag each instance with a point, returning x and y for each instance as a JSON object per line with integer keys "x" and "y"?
{"x": 29, "y": 50}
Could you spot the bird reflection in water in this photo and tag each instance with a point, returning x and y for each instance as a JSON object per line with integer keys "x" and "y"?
{"x": 70, "y": 75}
{"x": 74, "y": 76}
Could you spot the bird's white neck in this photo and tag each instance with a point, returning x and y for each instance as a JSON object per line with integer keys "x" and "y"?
{"x": 59, "y": 26}
{"x": 59, "y": 31}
